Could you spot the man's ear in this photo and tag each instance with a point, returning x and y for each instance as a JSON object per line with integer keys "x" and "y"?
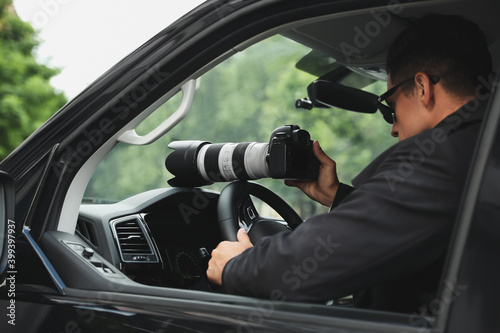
{"x": 425, "y": 89}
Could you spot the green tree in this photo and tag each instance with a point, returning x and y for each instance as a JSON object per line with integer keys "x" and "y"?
{"x": 26, "y": 97}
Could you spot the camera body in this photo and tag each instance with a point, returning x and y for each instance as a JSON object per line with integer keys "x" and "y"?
{"x": 291, "y": 155}
{"x": 288, "y": 155}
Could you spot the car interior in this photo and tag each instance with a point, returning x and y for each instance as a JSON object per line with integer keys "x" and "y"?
{"x": 123, "y": 224}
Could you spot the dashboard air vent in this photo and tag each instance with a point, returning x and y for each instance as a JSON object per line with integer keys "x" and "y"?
{"x": 133, "y": 241}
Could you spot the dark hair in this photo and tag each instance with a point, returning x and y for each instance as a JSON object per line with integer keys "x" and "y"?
{"x": 448, "y": 46}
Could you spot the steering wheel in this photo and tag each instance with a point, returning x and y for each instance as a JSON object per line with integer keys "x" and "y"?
{"x": 235, "y": 205}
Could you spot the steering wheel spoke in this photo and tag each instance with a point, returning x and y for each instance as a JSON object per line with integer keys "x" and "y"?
{"x": 236, "y": 209}
{"x": 247, "y": 213}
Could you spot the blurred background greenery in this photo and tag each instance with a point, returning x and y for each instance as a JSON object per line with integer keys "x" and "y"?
{"x": 27, "y": 99}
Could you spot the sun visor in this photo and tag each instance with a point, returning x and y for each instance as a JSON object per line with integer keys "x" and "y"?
{"x": 357, "y": 40}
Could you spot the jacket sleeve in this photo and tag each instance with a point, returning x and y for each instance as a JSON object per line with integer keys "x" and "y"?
{"x": 342, "y": 192}
{"x": 395, "y": 222}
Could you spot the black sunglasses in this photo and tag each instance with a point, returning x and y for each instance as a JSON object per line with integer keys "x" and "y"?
{"x": 388, "y": 112}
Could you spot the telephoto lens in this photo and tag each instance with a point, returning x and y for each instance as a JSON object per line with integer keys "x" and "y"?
{"x": 198, "y": 163}
{"x": 288, "y": 155}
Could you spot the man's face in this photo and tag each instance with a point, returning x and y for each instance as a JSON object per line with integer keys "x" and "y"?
{"x": 410, "y": 116}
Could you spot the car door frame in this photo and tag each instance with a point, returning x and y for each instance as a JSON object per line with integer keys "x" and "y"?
{"x": 7, "y": 224}
{"x": 466, "y": 301}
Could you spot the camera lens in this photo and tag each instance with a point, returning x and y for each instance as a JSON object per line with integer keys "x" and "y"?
{"x": 197, "y": 163}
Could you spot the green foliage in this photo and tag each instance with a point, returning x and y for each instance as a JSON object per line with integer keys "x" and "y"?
{"x": 244, "y": 99}
{"x": 26, "y": 97}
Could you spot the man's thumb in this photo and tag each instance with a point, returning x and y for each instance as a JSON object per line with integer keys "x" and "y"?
{"x": 242, "y": 237}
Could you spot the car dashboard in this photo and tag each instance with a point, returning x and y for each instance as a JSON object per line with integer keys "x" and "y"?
{"x": 158, "y": 238}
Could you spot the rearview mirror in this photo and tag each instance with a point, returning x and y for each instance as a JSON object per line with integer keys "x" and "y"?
{"x": 326, "y": 94}
{"x": 333, "y": 94}
{"x": 7, "y": 225}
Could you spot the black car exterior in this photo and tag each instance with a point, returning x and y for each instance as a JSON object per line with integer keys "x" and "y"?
{"x": 49, "y": 286}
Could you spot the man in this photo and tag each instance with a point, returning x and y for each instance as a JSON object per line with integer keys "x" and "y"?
{"x": 384, "y": 240}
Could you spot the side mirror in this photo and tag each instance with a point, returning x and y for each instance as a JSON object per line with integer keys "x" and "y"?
{"x": 7, "y": 224}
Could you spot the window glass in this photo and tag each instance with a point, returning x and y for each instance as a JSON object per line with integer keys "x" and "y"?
{"x": 244, "y": 99}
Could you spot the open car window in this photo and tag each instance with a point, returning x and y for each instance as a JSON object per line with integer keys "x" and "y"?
{"x": 244, "y": 99}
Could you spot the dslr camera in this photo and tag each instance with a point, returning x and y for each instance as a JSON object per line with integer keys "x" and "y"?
{"x": 288, "y": 155}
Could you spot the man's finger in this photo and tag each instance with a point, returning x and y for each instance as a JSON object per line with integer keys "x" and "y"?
{"x": 320, "y": 154}
{"x": 242, "y": 237}
{"x": 293, "y": 183}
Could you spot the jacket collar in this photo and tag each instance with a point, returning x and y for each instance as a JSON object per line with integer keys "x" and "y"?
{"x": 470, "y": 113}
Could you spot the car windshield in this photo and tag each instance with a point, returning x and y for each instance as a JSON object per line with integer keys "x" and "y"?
{"x": 243, "y": 99}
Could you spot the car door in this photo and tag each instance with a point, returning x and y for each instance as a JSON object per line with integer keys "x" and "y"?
{"x": 54, "y": 166}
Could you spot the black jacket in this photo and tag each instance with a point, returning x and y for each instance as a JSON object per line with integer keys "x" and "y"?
{"x": 385, "y": 241}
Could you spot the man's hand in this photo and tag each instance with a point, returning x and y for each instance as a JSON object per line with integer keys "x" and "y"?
{"x": 223, "y": 253}
{"x": 325, "y": 188}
